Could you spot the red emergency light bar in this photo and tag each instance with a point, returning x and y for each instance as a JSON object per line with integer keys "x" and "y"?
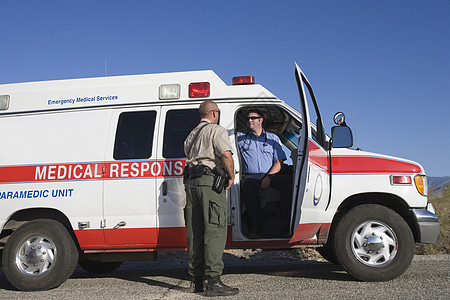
{"x": 199, "y": 89}
{"x": 240, "y": 80}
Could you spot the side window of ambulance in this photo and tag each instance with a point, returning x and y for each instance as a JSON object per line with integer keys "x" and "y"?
{"x": 179, "y": 123}
{"x": 134, "y": 136}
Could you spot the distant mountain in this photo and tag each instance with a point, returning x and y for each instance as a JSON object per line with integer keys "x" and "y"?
{"x": 437, "y": 184}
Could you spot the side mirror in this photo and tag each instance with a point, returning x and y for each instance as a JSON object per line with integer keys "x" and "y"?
{"x": 341, "y": 137}
{"x": 339, "y": 119}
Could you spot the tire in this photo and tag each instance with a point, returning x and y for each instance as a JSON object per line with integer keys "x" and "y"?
{"x": 373, "y": 243}
{"x": 99, "y": 267}
{"x": 39, "y": 255}
{"x": 327, "y": 253}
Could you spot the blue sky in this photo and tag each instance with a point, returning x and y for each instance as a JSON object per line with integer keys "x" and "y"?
{"x": 393, "y": 55}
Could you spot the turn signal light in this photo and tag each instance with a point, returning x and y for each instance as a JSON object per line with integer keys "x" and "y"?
{"x": 421, "y": 184}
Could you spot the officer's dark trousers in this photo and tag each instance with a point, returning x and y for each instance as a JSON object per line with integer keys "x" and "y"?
{"x": 250, "y": 187}
{"x": 205, "y": 216}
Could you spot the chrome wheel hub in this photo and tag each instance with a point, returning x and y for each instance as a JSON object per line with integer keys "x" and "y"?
{"x": 374, "y": 243}
{"x": 36, "y": 256}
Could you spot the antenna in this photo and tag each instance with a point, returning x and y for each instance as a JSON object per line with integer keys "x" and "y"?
{"x": 353, "y": 115}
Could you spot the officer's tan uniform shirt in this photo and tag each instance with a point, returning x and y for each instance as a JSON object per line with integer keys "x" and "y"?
{"x": 208, "y": 147}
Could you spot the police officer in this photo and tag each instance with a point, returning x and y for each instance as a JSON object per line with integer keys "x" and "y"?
{"x": 208, "y": 151}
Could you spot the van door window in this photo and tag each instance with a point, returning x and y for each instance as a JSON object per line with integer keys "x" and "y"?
{"x": 134, "y": 136}
{"x": 179, "y": 123}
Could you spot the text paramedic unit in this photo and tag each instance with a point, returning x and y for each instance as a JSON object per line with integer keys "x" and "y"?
{"x": 91, "y": 172}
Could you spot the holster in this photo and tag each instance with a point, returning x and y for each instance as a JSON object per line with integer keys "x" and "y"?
{"x": 185, "y": 174}
{"x": 220, "y": 176}
{"x": 220, "y": 180}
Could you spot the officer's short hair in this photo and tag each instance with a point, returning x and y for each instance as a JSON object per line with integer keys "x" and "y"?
{"x": 206, "y": 107}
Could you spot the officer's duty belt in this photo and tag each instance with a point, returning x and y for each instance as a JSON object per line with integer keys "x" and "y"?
{"x": 199, "y": 170}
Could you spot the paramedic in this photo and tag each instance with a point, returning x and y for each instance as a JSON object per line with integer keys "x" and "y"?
{"x": 262, "y": 158}
{"x": 207, "y": 149}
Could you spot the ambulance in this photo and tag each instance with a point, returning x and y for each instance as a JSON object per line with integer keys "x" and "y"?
{"x": 91, "y": 173}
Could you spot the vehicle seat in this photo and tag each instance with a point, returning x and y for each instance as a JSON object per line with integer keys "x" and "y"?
{"x": 268, "y": 195}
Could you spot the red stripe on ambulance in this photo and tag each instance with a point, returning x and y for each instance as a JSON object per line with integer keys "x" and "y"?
{"x": 92, "y": 171}
{"x": 371, "y": 165}
{"x": 318, "y": 156}
{"x": 146, "y": 239}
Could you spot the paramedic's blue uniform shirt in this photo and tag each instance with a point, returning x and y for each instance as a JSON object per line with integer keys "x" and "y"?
{"x": 259, "y": 155}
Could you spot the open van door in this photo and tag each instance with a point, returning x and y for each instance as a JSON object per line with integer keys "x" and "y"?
{"x": 312, "y": 176}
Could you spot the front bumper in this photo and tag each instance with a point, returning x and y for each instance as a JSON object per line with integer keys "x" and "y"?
{"x": 428, "y": 224}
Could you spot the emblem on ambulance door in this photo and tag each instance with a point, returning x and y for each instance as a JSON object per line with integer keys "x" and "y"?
{"x": 318, "y": 190}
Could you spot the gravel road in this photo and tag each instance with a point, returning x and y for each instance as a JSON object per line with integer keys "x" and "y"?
{"x": 259, "y": 275}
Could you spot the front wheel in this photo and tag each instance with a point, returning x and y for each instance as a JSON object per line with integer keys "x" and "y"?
{"x": 327, "y": 253}
{"x": 373, "y": 243}
{"x": 39, "y": 255}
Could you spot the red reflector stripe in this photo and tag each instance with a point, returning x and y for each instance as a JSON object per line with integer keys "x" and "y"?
{"x": 243, "y": 80}
{"x": 199, "y": 89}
{"x": 401, "y": 179}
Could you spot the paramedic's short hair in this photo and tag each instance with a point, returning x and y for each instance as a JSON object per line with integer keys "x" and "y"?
{"x": 206, "y": 107}
{"x": 254, "y": 110}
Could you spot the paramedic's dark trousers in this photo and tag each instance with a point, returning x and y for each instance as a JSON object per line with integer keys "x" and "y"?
{"x": 250, "y": 189}
{"x": 205, "y": 216}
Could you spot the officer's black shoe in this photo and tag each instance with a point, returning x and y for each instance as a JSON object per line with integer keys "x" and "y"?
{"x": 197, "y": 284}
{"x": 215, "y": 287}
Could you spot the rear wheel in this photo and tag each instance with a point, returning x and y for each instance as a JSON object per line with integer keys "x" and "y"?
{"x": 39, "y": 255}
{"x": 99, "y": 267}
{"x": 373, "y": 243}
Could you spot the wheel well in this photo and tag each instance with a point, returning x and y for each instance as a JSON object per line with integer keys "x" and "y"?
{"x": 391, "y": 201}
{"x": 23, "y": 216}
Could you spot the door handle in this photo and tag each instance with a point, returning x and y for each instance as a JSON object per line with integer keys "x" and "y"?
{"x": 164, "y": 188}
{"x": 120, "y": 224}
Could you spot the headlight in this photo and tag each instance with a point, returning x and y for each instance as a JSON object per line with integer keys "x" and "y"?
{"x": 421, "y": 184}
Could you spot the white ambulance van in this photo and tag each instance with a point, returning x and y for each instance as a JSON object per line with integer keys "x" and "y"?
{"x": 91, "y": 173}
